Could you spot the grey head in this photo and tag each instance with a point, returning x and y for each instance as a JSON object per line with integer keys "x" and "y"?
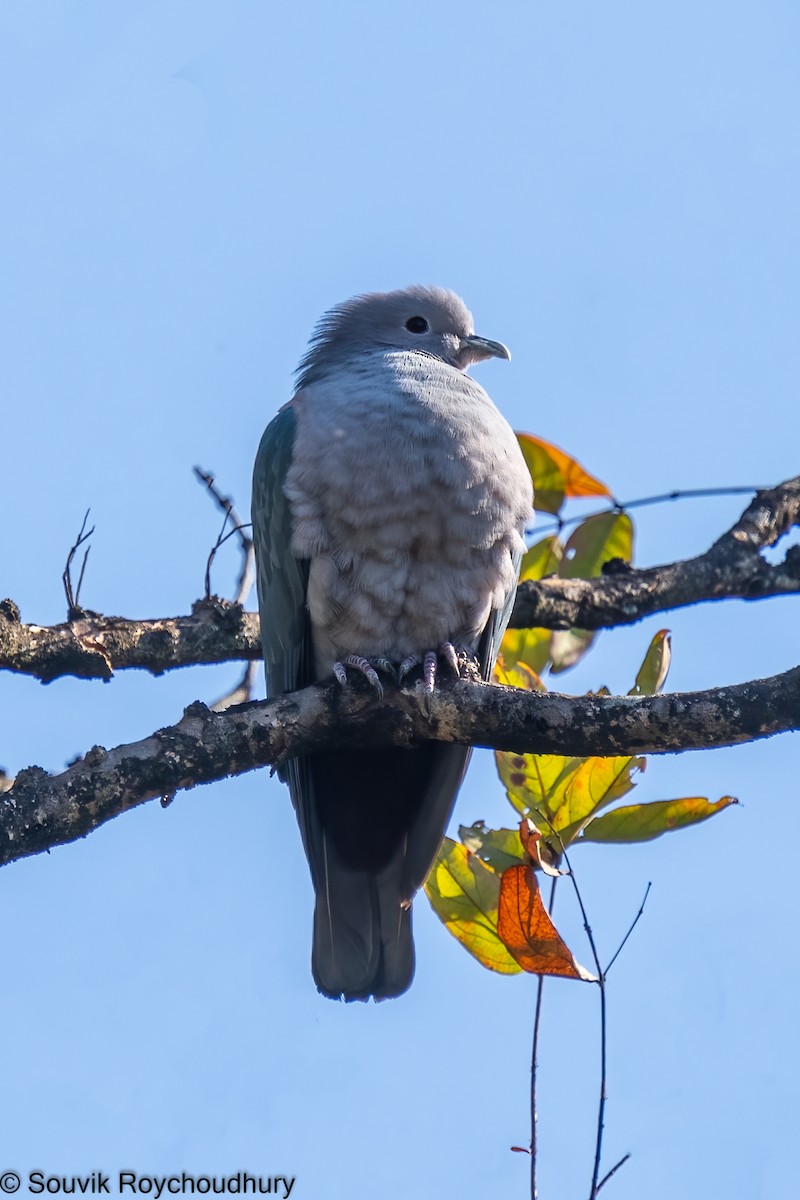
{"x": 428, "y": 320}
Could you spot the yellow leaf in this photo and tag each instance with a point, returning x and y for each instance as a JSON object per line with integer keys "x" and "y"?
{"x": 561, "y": 794}
{"x": 464, "y": 893}
{"x": 516, "y": 674}
{"x": 526, "y": 648}
{"x": 642, "y": 822}
{"x": 535, "y": 783}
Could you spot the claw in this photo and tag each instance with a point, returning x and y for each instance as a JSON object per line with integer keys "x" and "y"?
{"x": 430, "y": 665}
{"x": 429, "y": 668}
{"x": 364, "y": 667}
{"x": 407, "y": 665}
{"x": 447, "y": 651}
{"x": 388, "y": 668}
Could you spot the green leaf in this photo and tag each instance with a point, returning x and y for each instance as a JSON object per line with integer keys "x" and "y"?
{"x": 653, "y": 671}
{"x": 596, "y": 541}
{"x": 500, "y": 848}
{"x": 531, "y": 647}
{"x": 543, "y": 558}
{"x": 464, "y": 893}
{"x": 568, "y": 646}
{"x": 642, "y": 822}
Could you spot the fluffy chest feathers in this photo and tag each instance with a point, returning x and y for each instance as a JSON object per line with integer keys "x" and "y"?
{"x": 409, "y": 495}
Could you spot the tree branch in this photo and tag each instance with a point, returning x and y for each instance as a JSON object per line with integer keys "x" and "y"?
{"x": 93, "y": 647}
{"x": 732, "y": 568}
{"x": 41, "y": 810}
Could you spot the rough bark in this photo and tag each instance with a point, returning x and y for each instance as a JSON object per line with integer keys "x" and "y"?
{"x": 94, "y": 646}
{"x": 40, "y": 811}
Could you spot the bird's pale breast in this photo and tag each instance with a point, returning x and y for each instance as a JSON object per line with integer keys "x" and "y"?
{"x": 409, "y": 495}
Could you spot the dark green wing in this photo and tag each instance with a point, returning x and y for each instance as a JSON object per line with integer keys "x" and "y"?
{"x": 496, "y": 626}
{"x": 282, "y": 579}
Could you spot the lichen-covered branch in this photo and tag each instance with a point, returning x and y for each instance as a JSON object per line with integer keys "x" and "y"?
{"x": 94, "y": 646}
{"x": 40, "y": 810}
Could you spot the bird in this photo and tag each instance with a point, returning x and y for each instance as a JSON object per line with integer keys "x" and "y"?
{"x": 390, "y": 502}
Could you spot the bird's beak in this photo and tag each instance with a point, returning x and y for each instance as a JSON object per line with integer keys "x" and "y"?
{"x": 475, "y": 349}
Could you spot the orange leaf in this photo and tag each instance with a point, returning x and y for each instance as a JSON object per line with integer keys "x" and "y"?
{"x": 556, "y": 475}
{"x": 525, "y": 927}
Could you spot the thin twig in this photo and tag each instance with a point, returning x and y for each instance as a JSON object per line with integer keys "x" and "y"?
{"x": 247, "y": 569}
{"x": 73, "y": 608}
{"x": 601, "y": 983}
{"x": 535, "y": 1052}
{"x": 618, "y": 506}
{"x": 241, "y": 693}
{"x": 613, "y": 1171}
{"x": 80, "y": 577}
{"x": 222, "y": 537}
{"x": 633, "y": 925}
{"x": 246, "y": 574}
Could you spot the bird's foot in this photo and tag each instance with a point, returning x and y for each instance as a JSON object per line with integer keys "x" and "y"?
{"x": 430, "y": 665}
{"x": 368, "y": 667}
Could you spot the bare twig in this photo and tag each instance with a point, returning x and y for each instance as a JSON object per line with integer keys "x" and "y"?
{"x": 247, "y": 569}
{"x": 633, "y": 925}
{"x": 73, "y": 598}
{"x": 535, "y": 1054}
{"x": 560, "y": 523}
{"x": 613, "y": 1171}
{"x": 242, "y": 693}
{"x": 601, "y": 983}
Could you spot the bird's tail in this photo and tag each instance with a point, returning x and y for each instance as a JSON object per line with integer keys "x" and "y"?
{"x": 362, "y": 934}
{"x": 372, "y": 822}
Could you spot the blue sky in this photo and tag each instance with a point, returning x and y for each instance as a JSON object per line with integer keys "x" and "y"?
{"x": 187, "y": 187}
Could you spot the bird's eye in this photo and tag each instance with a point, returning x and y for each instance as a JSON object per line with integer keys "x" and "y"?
{"x": 417, "y": 325}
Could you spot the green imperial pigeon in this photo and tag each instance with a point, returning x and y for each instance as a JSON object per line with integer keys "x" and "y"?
{"x": 389, "y": 502}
